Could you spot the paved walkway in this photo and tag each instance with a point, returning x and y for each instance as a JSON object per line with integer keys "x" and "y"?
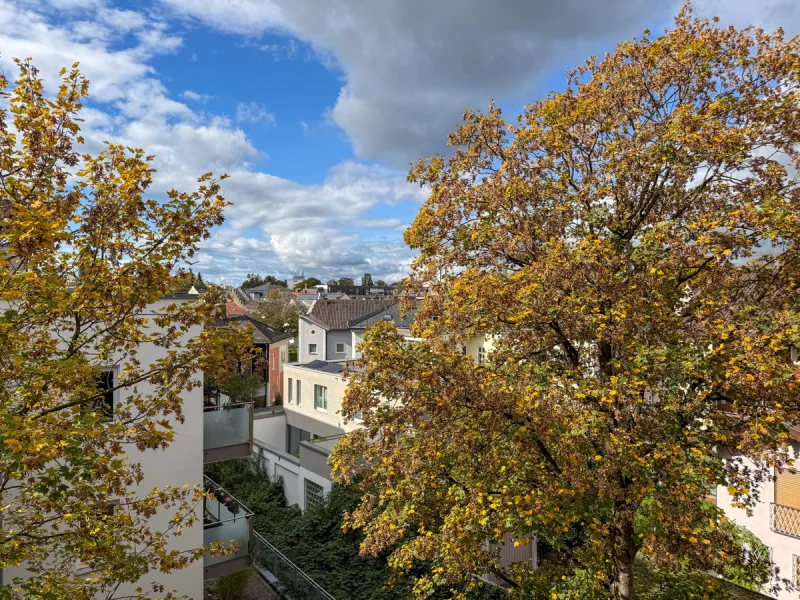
{"x": 260, "y": 589}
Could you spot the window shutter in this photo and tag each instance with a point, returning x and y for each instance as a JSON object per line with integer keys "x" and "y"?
{"x": 787, "y": 489}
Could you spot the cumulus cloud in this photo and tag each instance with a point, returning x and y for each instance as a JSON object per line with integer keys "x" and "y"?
{"x": 275, "y": 225}
{"x": 411, "y": 67}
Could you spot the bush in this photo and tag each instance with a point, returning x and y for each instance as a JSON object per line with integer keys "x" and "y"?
{"x": 233, "y": 586}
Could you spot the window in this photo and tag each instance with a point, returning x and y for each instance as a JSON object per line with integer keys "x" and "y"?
{"x": 387, "y": 317}
{"x": 104, "y": 402}
{"x": 290, "y": 390}
{"x": 312, "y": 348}
{"x": 314, "y": 494}
{"x": 481, "y": 355}
{"x": 297, "y": 382}
{"x": 339, "y": 348}
{"x": 321, "y": 398}
{"x": 313, "y": 331}
{"x": 283, "y": 354}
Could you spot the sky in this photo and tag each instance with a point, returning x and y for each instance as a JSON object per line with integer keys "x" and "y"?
{"x": 316, "y": 108}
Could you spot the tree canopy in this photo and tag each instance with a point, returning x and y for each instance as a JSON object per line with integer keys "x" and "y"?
{"x": 255, "y": 280}
{"x": 366, "y": 280}
{"x": 279, "y": 310}
{"x": 308, "y": 282}
{"x": 628, "y": 250}
{"x": 345, "y": 281}
{"x": 84, "y": 257}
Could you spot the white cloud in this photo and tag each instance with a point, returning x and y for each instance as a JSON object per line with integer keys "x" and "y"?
{"x": 275, "y": 225}
{"x": 252, "y": 112}
{"x": 195, "y": 97}
{"x": 411, "y": 67}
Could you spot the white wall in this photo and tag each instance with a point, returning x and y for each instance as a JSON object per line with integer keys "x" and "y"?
{"x": 339, "y": 337}
{"x": 181, "y": 463}
{"x": 310, "y": 333}
{"x": 280, "y": 464}
{"x": 308, "y": 378}
{"x": 270, "y": 428}
{"x": 784, "y": 548}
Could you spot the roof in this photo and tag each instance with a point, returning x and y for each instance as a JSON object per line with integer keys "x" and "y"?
{"x": 325, "y": 367}
{"x": 263, "y": 334}
{"x": 337, "y": 314}
{"x": 400, "y": 320}
{"x": 265, "y": 287}
{"x": 232, "y": 309}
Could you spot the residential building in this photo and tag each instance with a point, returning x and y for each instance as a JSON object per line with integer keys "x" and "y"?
{"x": 274, "y": 347}
{"x": 325, "y": 332}
{"x": 204, "y": 435}
{"x": 294, "y": 441}
{"x": 775, "y": 518}
{"x": 262, "y": 291}
{"x": 361, "y": 290}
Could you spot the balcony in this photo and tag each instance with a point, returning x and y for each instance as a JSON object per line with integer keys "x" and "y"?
{"x": 227, "y": 432}
{"x": 784, "y": 519}
{"x": 226, "y": 520}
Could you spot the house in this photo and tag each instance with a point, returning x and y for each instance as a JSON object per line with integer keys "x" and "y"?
{"x": 274, "y": 346}
{"x": 262, "y": 291}
{"x": 201, "y": 436}
{"x": 361, "y": 290}
{"x": 325, "y": 332}
{"x": 294, "y": 443}
{"x": 775, "y": 518}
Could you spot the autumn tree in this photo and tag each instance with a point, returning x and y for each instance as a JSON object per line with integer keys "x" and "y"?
{"x": 87, "y": 263}
{"x": 279, "y": 310}
{"x": 628, "y": 248}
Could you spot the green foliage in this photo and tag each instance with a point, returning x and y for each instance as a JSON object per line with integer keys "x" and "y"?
{"x": 239, "y": 387}
{"x": 234, "y": 585}
{"x": 380, "y": 283}
{"x": 279, "y": 310}
{"x": 366, "y": 280}
{"x": 188, "y": 279}
{"x": 254, "y": 280}
{"x": 345, "y": 281}
{"x": 315, "y": 541}
{"x": 307, "y": 283}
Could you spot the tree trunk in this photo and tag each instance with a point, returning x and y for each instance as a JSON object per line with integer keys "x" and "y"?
{"x": 624, "y": 555}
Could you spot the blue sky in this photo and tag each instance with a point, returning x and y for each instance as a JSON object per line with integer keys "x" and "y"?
{"x": 316, "y": 107}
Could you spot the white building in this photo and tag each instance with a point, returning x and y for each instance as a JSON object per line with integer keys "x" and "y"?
{"x": 332, "y": 329}
{"x": 207, "y": 435}
{"x": 776, "y": 517}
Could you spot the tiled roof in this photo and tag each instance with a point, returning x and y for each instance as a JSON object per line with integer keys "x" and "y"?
{"x": 232, "y": 309}
{"x": 336, "y": 314}
{"x": 263, "y": 334}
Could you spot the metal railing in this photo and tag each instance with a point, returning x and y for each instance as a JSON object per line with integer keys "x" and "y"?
{"x": 291, "y": 580}
{"x": 784, "y": 519}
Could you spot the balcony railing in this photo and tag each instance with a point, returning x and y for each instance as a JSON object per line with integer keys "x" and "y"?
{"x": 226, "y": 520}
{"x": 283, "y": 573}
{"x": 227, "y": 432}
{"x": 784, "y": 519}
